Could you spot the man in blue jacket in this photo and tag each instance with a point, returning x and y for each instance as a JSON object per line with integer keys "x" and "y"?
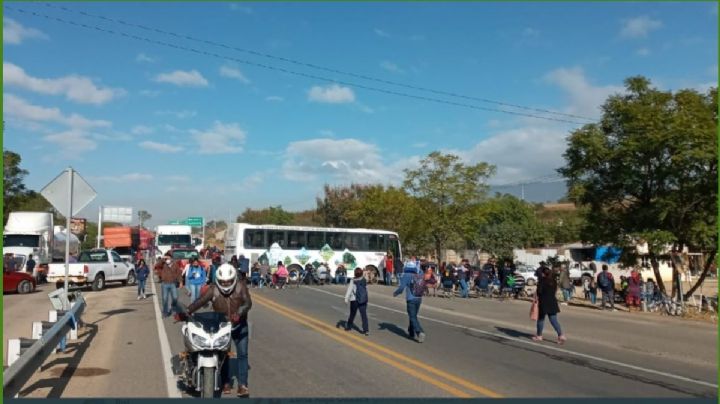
{"x": 411, "y": 273}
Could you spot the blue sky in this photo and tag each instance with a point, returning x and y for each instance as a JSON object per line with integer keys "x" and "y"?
{"x": 182, "y": 134}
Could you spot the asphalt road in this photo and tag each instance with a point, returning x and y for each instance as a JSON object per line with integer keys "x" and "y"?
{"x": 474, "y": 348}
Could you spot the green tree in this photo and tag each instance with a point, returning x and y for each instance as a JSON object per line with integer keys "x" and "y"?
{"x": 144, "y": 216}
{"x": 648, "y": 170}
{"x": 333, "y": 207}
{"x": 447, "y": 190}
{"x": 271, "y": 215}
{"x": 13, "y": 186}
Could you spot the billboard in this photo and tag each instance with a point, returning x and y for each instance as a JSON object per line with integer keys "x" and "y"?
{"x": 117, "y": 214}
{"x": 78, "y": 225}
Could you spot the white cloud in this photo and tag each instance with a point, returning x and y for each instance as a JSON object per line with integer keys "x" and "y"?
{"x": 181, "y": 78}
{"x": 143, "y": 58}
{"x": 160, "y": 147}
{"x": 178, "y": 114}
{"x": 274, "y": 98}
{"x": 178, "y": 178}
{"x": 420, "y": 145}
{"x": 149, "y": 93}
{"x": 639, "y": 27}
{"x": 643, "y": 52}
{"x": 142, "y": 130}
{"x": 381, "y": 33}
{"x": 132, "y": 177}
{"x": 71, "y": 143}
{"x": 391, "y": 67}
{"x": 333, "y": 94}
{"x": 233, "y": 73}
{"x": 15, "y": 33}
{"x": 75, "y": 88}
{"x": 585, "y": 98}
{"x": 16, "y": 107}
{"x": 220, "y": 139}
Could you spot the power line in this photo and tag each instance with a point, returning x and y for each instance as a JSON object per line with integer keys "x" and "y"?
{"x": 314, "y": 66}
{"x": 283, "y": 70}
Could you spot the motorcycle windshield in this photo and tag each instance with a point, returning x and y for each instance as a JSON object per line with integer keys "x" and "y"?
{"x": 210, "y": 321}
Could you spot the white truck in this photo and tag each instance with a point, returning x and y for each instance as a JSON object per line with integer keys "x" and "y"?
{"x": 172, "y": 235}
{"x": 94, "y": 268}
{"x": 34, "y": 233}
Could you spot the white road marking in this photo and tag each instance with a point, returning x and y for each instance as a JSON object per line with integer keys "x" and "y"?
{"x": 172, "y": 389}
{"x": 543, "y": 346}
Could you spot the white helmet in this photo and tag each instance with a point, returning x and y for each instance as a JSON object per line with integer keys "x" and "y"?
{"x": 226, "y": 278}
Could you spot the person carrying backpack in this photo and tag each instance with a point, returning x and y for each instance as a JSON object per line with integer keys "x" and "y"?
{"x": 357, "y": 296}
{"x": 413, "y": 285}
{"x": 606, "y": 283}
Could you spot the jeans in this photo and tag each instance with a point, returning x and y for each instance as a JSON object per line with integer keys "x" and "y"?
{"x": 593, "y": 297}
{"x": 567, "y": 293}
{"x": 464, "y": 288}
{"x": 354, "y": 306}
{"x": 168, "y": 290}
{"x": 194, "y": 291}
{"x": 608, "y": 295}
{"x": 553, "y": 321}
{"x": 141, "y": 286}
{"x": 388, "y": 278}
{"x": 340, "y": 280}
{"x": 240, "y": 339}
{"x": 413, "y": 307}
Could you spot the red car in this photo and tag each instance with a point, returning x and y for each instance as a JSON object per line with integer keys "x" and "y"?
{"x": 16, "y": 281}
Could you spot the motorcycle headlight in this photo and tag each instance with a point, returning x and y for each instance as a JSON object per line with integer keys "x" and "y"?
{"x": 200, "y": 342}
{"x": 222, "y": 341}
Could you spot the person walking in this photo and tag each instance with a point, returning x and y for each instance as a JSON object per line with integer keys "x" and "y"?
{"x": 195, "y": 278}
{"x": 143, "y": 272}
{"x": 357, "y": 296}
{"x": 388, "y": 271}
{"x": 169, "y": 277}
{"x": 409, "y": 279}
{"x": 565, "y": 284}
{"x": 606, "y": 283}
{"x": 463, "y": 278}
{"x": 548, "y": 306}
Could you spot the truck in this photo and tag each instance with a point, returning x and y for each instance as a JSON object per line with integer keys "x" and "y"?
{"x": 172, "y": 235}
{"x": 123, "y": 240}
{"x": 94, "y": 268}
{"x": 34, "y": 233}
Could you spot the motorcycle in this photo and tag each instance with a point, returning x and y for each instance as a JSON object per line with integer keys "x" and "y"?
{"x": 207, "y": 342}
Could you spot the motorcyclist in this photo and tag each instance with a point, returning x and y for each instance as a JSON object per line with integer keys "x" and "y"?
{"x": 232, "y": 298}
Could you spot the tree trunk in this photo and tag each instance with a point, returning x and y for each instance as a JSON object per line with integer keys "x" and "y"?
{"x": 656, "y": 270}
{"x": 706, "y": 270}
{"x": 439, "y": 251}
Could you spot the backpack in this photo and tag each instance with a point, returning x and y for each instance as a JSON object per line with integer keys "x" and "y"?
{"x": 604, "y": 280}
{"x": 361, "y": 294}
{"x": 417, "y": 286}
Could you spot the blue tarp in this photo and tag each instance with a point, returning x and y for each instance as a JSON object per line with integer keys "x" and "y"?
{"x": 610, "y": 255}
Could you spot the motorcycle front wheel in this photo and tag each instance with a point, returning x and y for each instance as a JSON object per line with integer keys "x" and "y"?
{"x": 208, "y": 383}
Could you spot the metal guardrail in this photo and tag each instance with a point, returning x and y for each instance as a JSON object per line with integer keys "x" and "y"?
{"x": 15, "y": 376}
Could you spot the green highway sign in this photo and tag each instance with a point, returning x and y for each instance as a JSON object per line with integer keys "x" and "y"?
{"x": 194, "y": 221}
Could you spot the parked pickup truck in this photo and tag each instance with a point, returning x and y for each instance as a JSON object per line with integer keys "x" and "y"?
{"x": 94, "y": 268}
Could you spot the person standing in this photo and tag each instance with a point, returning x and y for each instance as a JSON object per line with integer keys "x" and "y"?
{"x": 30, "y": 267}
{"x": 634, "y": 290}
{"x": 142, "y": 274}
{"x": 357, "y": 296}
{"x": 409, "y": 278}
{"x": 195, "y": 278}
{"x": 463, "y": 277}
{"x": 169, "y": 277}
{"x": 388, "y": 271}
{"x": 592, "y": 290}
{"x": 565, "y": 284}
{"x": 606, "y": 283}
{"x": 548, "y": 306}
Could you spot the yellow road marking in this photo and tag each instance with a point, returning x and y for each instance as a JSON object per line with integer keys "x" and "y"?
{"x": 345, "y": 337}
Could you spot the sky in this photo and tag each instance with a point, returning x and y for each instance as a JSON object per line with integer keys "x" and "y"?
{"x": 205, "y": 109}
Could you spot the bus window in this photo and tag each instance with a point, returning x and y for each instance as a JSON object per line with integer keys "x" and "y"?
{"x": 276, "y": 236}
{"x": 394, "y": 246}
{"x": 335, "y": 240}
{"x": 315, "y": 240}
{"x": 374, "y": 243}
{"x": 382, "y": 243}
{"x": 357, "y": 242}
{"x": 296, "y": 239}
{"x": 255, "y": 238}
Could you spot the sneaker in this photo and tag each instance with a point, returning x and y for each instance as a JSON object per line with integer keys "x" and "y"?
{"x": 562, "y": 339}
{"x": 243, "y": 391}
{"x": 421, "y": 337}
{"x": 227, "y": 389}
{"x": 537, "y": 338}
{"x": 144, "y": 297}
{"x": 138, "y": 298}
{"x": 366, "y": 333}
{"x": 564, "y": 303}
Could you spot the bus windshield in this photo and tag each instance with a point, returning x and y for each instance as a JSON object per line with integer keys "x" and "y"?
{"x": 169, "y": 239}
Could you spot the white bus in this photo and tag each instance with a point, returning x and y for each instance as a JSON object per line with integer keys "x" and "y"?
{"x": 299, "y": 245}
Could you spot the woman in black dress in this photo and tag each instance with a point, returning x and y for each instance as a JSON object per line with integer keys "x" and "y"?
{"x": 548, "y": 305}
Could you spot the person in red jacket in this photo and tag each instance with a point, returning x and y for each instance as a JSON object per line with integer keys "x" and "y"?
{"x": 388, "y": 271}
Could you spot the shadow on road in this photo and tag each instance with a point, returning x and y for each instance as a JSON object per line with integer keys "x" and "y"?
{"x": 514, "y": 333}
{"x": 60, "y": 378}
{"x": 393, "y": 329}
{"x": 111, "y": 313}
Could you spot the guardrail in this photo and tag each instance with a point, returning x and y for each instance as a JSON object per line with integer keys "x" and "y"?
{"x": 30, "y": 354}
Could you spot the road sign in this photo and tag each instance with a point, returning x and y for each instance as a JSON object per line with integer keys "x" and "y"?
{"x": 194, "y": 221}
{"x": 56, "y": 192}
{"x": 117, "y": 214}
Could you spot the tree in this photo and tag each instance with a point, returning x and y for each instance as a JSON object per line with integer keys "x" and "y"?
{"x": 648, "y": 170}
{"x": 447, "y": 190}
{"x": 13, "y": 186}
{"x": 337, "y": 201}
{"x": 144, "y": 216}
{"x": 271, "y": 215}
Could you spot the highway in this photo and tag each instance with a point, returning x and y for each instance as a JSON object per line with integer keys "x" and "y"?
{"x": 474, "y": 348}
